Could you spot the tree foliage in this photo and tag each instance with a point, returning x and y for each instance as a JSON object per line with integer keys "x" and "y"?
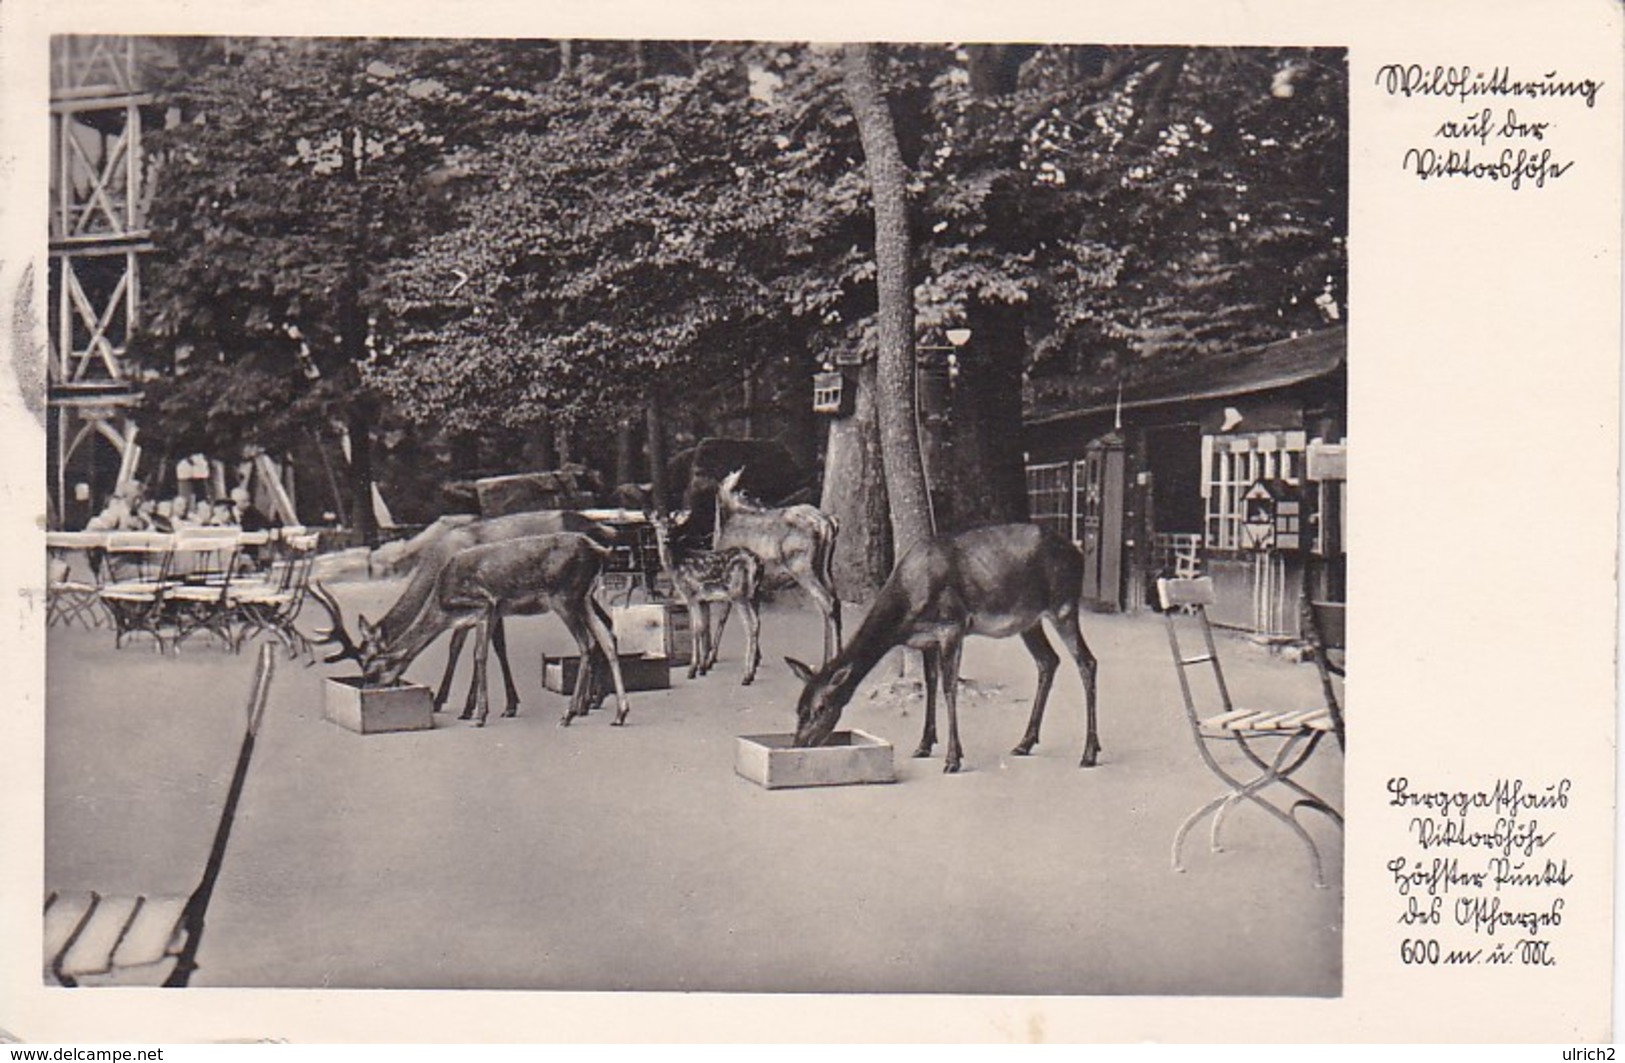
{"x": 636, "y": 234}
{"x": 469, "y": 235}
{"x": 1145, "y": 206}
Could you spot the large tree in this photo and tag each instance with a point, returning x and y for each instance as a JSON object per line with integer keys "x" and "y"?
{"x": 291, "y": 171}
{"x": 1103, "y": 214}
{"x": 900, "y": 446}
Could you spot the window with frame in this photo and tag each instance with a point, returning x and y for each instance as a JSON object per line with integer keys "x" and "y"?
{"x": 1050, "y": 496}
{"x": 1234, "y": 462}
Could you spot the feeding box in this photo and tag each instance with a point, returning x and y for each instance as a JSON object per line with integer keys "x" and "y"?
{"x": 637, "y": 672}
{"x": 376, "y": 710}
{"x": 654, "y": 630}
{"x": 773, "y": 762}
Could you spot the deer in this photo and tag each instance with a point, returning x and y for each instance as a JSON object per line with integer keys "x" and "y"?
{"x": 996, "y": 581}
{"x": 427, "y": 553}
{"x": 474, "y": 589}
{"x": 796, "y": 540}
{"x": 702, "y": 577}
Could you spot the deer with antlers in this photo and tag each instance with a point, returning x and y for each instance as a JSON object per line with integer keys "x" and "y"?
{"x": 796, "y": 540}
{"x": 705, "y": 577}
{"x": 996, "y": 581}
{"x": 426, "y": 555}
{"x": 474, "y": 589}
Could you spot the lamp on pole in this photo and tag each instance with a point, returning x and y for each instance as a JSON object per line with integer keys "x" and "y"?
{"x": 932, "y": 444}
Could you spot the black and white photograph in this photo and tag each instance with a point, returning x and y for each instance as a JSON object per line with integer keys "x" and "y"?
{"x": 750, "y": 516}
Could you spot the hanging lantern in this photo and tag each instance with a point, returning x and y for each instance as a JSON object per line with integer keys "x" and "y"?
{"x": 830, "y": 394}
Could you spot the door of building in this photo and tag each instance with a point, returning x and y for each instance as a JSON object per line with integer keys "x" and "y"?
{"x": 1100, "y": 504}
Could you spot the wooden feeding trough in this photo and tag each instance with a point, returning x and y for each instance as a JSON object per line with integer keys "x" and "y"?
{"x": 638, "y": 672}
{"x": 655, "y": 630}
{"x": 848, "y": 758}
{"x": 376, "y": 710}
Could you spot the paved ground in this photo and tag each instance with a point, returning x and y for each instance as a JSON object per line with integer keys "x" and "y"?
{"x": 526, "y": 856}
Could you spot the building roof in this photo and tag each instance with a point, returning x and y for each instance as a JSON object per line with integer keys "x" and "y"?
{"x": 1274, "y": 365}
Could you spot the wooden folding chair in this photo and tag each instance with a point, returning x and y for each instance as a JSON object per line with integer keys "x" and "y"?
{"x": 1324, "y": 624}
{"x": 273, "y": 602}
{"x": 197, "y": 595}
{"x": 1273, "y": 746}
{"x": 137, "y": 570}
{"x": 69, "y": 598}
{"x": 131, "y": 938}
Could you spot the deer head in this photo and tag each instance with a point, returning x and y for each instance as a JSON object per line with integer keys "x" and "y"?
{"x": 336, "y": 634}
{"x": 370, "y": 653}
{"x": 382, "y": 663}
{"x": 822, "y": 699}
{"x": 728, "y": 494}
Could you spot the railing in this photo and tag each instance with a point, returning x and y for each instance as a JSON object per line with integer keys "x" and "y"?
{"x": 1177, "y": 553}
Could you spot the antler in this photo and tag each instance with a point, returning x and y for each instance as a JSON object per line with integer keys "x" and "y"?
{"x": 338, "y": 634}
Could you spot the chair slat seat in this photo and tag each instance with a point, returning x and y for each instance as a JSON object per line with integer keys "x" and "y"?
{"x": 91, "y": 951}
{"x": 154, "y": 934}
{"x": 89, "y": 934}
{"x": 65, "y": 913}
{"x": 259, "y": 591}
{"x": 1235, "y": 719}
{"x": 136, "y": 590}
{"x": 196, "y": 592}
{"x": 1320, "y": 720}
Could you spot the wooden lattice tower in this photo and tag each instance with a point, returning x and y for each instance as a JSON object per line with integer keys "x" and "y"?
{"x": 101, "y": 184}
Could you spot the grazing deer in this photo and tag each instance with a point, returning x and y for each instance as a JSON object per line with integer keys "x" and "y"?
{"x": 798, "y": 540}
{"x": 474, "y": 589}
{"x": 997, "y": 581}
{"x": 427, "y": 553}
{"x": 700, "y": 577}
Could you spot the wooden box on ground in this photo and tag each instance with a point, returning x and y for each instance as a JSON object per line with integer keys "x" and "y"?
{"x": 637, "y": 672}
{"x": 658, "y": 630}
{"x": 375, "y": 710}
{"x": 849, "y": 757}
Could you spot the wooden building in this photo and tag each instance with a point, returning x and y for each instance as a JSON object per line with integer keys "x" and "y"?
{"x": 1233, "y": 467}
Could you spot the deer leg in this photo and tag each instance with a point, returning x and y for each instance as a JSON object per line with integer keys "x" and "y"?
{"x": 699, "y": 635}
{"x": 951, "y": 647}
{"x": 600, "y": 631}
{"x": 499, "y": 642}
{"x": 598, "y": 686}
{"x": 753, "y": 639}
{"x": 584, "y": 677}
{"x": 828, "y": 604}
{"x": 455, "y": 651}
{"x": 726, "y": 606}
{"x": 482, "y": 652}
{"x": 1072, "y": 638}
{"x": 930, "y": 668}
{"x": 1047, "y": 659}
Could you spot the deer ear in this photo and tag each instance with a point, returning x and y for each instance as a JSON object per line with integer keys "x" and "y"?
{"x": 802, "y": 672}
{"x": 367, "y": 628}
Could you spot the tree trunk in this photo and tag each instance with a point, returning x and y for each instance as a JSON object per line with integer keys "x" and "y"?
{"x": 360, "y": 415}
{"x": 990, "y": 469}
{"x": 899, "y": 437}
{"x": 561, "y": 444}
{"x": 657, "y": 453}
{"x": 359, "y": 425}
{"x": 748, "y": 399}
{"x": 855, "y": 494}
{"x": 990, "y": 474}
{"x": 625, "y": 453}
